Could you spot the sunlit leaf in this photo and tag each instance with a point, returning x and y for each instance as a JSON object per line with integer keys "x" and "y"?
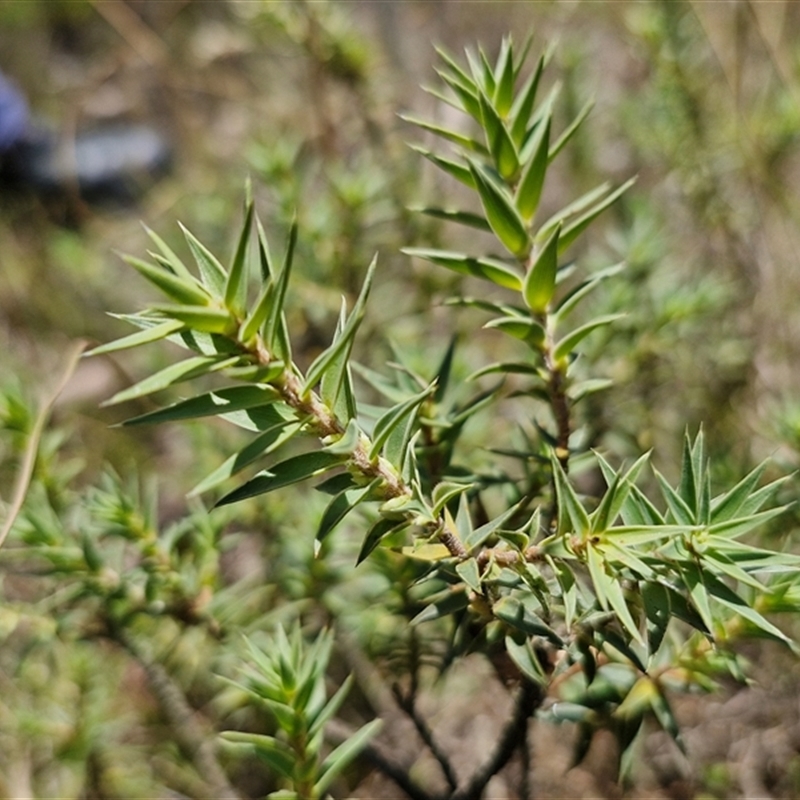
{"x": 396, "y": 416}
{"x": 566, "y": 345}
{"x": 154, "y": 334}
{"x": 236, "y": 282}
{"x": 175, "y": 373}
{"x": 335, "y": 357}
{"x": 523, "y": 104}
{"x": 180, "y": 289}
{"x": 490, "y": 269}
{"x": 501, "y": 146}
{"x": 460, "y": 139}
{"x": 540, "y": 282}
{"x": 457, "y": 170}
{"x": 531, "y": 183}
{"x": 269, "y": 440}
{"x": 558, "y": 146}
{"x": 199, "y": 318}
{"x": 501, "y": 212}
{"x": 211, "y": 271}
{"x": 452, "y": 215}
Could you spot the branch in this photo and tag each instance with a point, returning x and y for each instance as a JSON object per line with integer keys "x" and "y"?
{"x": 528, "y": 700}
{"x": 340, "y": 732}
{"x": 189, "y": 735}
{"x": 406, "y": 703}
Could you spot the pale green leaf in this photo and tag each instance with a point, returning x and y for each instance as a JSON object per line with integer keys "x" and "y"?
{"x": 540, "y": 282}
{"x": 529, "y": 191}
{"x": 491, "y": 269}
{"x": 175, "y": 373}
{"x": 180, "y": 289}
{"x": 236, "y": 282}
{"x": 460, "y": 139}
{"x": 566, "y": 345}
{"x": 451, "y": 215}
{"x": 160, "y": 331}
{"x": 343, "y": 755}
{"x": 269, "y": 440}
{"x": 211, "y": 271}
{"x": 453, "y": 168}
{"x": 570, "y": 131}
{"x": 501, "y": 212}
{"x": 394, "y": 417}
{"x": 501, "y": 146}
{"x": 199, "y": 318}
{"x": 335, "y": 357}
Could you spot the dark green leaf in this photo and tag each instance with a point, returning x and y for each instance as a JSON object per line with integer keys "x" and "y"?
{"x": 519, "y": 614}
{"x": 469, "y": 573}
{"x": 529, "y": 191}
{"x": 340, "y": 506}
{"x": 466, "y": 95}
{"x": 269, "y": 440}
{"x": 338, "y": 760}
{"x": 504, "y": 75}
{"x": 732, "y": 528}
{"x": 609, "y": 591}
{"x": 527, "y": 330}
{"x": 526, "y": 659}
{"x": 293, "y": 470}
{"x": 571, "y": 300}
{"x": 380, "y": 530}
{"x": 571, "y": 514}
{"x": 727, "y": 506}
{"x": 271, "y": 750}
{"x": 678, "y": 507}
{"x": 255, "y": 319}
{"x": 221, "y": 401}
{"x": 574, "y": 229}
{"x": 175, "y": 263}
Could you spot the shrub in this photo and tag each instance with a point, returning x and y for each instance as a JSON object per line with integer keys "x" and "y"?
{"x": 594, "y": 592}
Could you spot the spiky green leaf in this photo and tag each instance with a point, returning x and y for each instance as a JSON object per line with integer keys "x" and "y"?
{"x": 293, "y": 470}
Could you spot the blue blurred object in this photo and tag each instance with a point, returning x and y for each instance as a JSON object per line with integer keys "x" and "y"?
{"x": 15, "y": 118}
{"x": 108, "y": 165}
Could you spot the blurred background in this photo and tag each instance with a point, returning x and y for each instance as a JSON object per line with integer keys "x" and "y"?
{"x": 700, "y": 100}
